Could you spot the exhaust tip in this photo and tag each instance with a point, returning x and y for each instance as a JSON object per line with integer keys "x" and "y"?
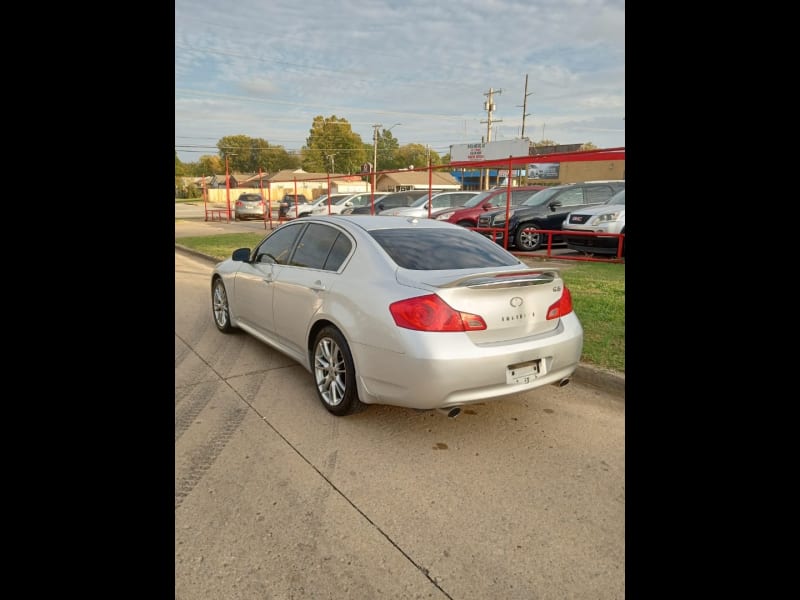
{"x": 451, "y": 412}
{"x": 562, "y": 382}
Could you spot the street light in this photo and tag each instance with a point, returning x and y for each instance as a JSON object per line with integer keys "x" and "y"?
{"x": 228, "y": 186}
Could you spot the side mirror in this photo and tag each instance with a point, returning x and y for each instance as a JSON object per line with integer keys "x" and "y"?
{"x": 241, "y": 254}
{"x": 554, "y": 205}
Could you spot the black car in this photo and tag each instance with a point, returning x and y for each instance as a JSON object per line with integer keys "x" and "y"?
{"x": 546, "y": 210}
{"x": 290, "y": 200}
{"x": 390, "y": 200}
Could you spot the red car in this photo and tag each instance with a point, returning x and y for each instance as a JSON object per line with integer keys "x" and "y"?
{"x": 467, "y": 215}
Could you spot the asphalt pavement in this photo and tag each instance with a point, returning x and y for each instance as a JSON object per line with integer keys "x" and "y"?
{"x": 190, "y": 222}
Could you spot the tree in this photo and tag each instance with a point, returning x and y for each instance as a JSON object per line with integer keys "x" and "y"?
{"x": 332, "y": 146}
{"x": 543, "y": 143}
{"x": 386, "y": 150}
{"x": 248, "y": 155}
{"x": 416, "y": 155}
{"x": 588, "y": 146}
{"x": 210, "y": 165}
{"x": 180, "y": 168}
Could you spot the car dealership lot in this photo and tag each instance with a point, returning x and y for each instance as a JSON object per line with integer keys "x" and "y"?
{"x": 517, "y": 498}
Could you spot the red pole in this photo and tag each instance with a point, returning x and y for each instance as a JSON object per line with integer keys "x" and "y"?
{"x": 228, "y": 189}
{"x": 205, "y": 198}
{"x": 261, "y": 191}
{"x": 329, "y": 193}
{"x": 430, "y": 187}
{"x": 269, "y": 203}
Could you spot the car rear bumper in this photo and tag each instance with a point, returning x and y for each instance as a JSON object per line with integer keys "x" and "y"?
{"x": 434, "y": 376}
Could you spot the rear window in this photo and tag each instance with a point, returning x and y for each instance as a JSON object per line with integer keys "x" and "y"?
{"x": 442, "y": 249}
{"x": 250, "y": 198}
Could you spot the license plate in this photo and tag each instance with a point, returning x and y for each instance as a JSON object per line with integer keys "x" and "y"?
{"x": 524, "y": 372}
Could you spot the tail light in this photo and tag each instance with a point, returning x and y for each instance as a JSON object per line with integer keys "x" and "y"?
{"x": 239, "y": 203}
{"x": 562, "y": 307}
{"x": 431, "y": 313}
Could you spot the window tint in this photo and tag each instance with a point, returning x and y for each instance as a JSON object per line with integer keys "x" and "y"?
{"x": 339, "y": 251}
{"x": 598, "y": 193}
{"x": 315, "y": 246}
{"x": 276, "y": 248}
{"x": 434, "y": 249}
{"x": 571, "y": 196}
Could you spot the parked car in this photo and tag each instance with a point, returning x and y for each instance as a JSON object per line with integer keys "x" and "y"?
{"x": 306, "y": 209}
{"x": 545, "y": 210}
{"x": 437, "y": 202}
{"x": 415, "y": 313}
{"x": 349, "y": 201}
{"x": 387, "y": 201}
{"x": 249, "y": 206}
{"x": 605, "y": 218}
{"x": 467, "y": 215}
{"x": 289, "y": 200}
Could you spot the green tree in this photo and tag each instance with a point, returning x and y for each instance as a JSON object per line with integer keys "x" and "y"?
{"x": 180, "y": 168}
{"x": 542, "y": 143}
{"x": 588, "y": 146}
{"x": 248, "y": 155}
{"x": 386, "y": 149}
{"x": 333, "y": 146}
{"x": 210, "y": 165}
{"x": 416, "y": 155}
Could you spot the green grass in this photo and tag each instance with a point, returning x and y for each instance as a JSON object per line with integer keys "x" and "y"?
{"x": 598, "y": 296}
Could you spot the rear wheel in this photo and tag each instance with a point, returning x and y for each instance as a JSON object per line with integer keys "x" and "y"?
{"x": 528, "y": 238}
{"x": 335, "y": 373}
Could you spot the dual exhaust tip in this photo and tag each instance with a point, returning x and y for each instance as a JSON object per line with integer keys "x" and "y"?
{"x": 453, "y": 411}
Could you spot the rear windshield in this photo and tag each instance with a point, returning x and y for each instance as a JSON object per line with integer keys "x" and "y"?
{"x": 435, "y": 249}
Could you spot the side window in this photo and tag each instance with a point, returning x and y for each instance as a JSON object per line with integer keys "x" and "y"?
{"x": 339, "y": 251}
{"x": 571, "y": 196}
{"x": 315, "y": 247}
{"x": 278, "y": 245}
{"x": 598, "y": 193}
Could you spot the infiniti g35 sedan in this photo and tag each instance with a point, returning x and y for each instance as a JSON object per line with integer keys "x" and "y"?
{"x": 408, "y": 312}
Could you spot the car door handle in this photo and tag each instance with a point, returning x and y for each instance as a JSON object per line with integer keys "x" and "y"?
{"x": 317, "y": 286}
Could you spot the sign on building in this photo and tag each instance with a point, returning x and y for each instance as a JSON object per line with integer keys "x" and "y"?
{"x": 489, "y": 151}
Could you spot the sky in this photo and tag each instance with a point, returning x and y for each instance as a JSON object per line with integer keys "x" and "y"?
{"x": 422, "y": 68}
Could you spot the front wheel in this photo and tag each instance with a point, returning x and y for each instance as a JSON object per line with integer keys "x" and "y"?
{"x": 335, "y": 373}
{"x": 219, "y": 305}
{"x": 466, "y": 224}
{"x": 528, "y": 238}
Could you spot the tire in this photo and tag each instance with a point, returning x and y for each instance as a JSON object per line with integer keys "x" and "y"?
{"x": 334, "y": 373}
{"x": 465, "y": 224}
{"x": 219, "y": 307}
{"x": 527, "y": 239}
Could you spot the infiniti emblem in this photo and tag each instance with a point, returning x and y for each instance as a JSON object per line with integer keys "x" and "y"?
{"x": 516, "y": 301}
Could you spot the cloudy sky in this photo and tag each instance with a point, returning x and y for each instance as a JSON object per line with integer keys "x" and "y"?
{"x": 266, "y": 68}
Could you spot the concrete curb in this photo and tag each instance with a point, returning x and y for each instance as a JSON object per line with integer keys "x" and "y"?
{"x": 608, "y": 381}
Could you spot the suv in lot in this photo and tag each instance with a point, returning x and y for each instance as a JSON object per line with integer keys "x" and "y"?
{"x": 606, "y": 218}
{"x": 467, "y": 215}
{"x": 546, "y": 210}
{"x": 249, "y": 206}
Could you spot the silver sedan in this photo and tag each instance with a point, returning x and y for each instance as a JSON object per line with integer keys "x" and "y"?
{"x": 408, "y": 312}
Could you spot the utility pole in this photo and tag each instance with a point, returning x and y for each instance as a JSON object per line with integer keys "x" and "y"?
{"x": 490, "y": 107}
{"x": 375, "y": 147}
{"x": 525, "y": 106}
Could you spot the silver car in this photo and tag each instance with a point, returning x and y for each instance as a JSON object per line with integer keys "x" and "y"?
{"x": 427, "y": 204}
{"x": 307, "y": 209}
{"x": 348, "y": 203}
{"x": 416, "y": 313}
{"x": 250, "y": 206}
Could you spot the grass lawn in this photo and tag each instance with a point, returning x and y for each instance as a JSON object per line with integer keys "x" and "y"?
{"x": 598, "y": 296}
